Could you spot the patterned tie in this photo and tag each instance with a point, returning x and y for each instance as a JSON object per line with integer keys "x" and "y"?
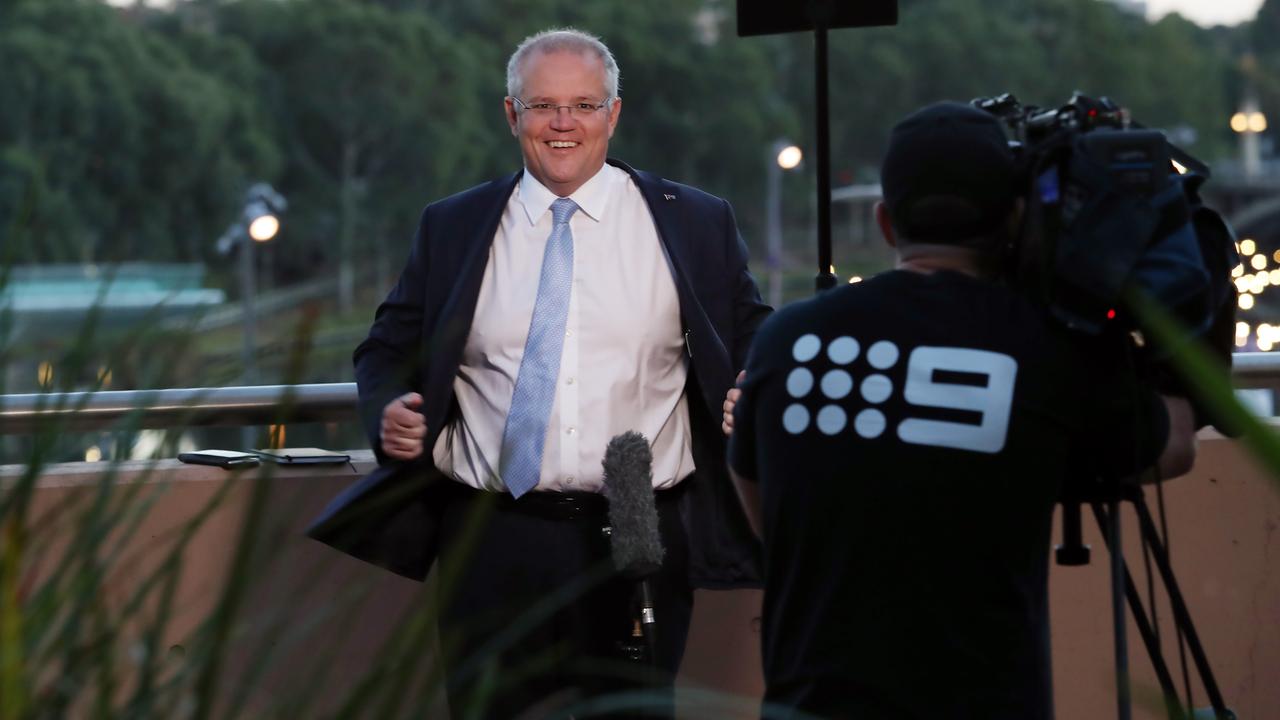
{"x": 526, "y": 429}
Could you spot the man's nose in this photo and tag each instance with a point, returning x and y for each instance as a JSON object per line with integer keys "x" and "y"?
{"x": 563, "y": 119}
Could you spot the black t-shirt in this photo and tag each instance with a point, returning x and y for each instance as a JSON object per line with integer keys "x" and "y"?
{"x": 910, "y": 435}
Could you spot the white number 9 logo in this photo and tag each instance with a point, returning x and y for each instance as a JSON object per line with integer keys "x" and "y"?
{"x": 994, "y": 400}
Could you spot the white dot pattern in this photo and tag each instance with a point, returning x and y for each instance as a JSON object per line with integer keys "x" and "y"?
{"x": 796, "y": 419}
{"x": 843, "y": 350}
{"x": 831, "y": 419}
{"x": 806, "y": 348}
{"x": 883, "y": 355}
{"x": 836, "y": 384}
{"x": 876, "y": 388}
{"x": 799, "y": 382}
{"x": 869, "y": 423}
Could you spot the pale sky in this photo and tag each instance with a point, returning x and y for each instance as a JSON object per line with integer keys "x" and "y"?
{"x": 1206, "y": 12}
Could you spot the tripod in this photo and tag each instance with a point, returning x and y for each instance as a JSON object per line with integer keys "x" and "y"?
{"x": 1105, "y": 501}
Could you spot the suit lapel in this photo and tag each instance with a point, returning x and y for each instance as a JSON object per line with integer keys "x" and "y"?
{"x": 703, "y": 344}
{"x": 663, "y": 200}
{"x": 458, "y": 307}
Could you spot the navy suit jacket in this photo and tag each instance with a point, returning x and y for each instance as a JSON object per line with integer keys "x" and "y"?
{"x": 416, "y": 343}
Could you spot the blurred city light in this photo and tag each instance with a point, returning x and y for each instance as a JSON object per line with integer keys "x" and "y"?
{"x": 264, "y": 227}
{"x": 789, "y": 157}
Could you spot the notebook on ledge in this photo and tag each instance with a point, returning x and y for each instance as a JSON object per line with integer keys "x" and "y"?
{"x": 302, "y": 456}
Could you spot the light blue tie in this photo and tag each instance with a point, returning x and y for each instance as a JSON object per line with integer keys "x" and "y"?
{"x": 526, "y": 429}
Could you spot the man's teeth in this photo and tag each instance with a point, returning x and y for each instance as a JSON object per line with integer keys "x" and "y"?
{"x": 562, "y": 144}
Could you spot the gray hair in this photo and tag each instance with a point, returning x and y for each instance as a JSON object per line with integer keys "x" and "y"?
{"x": 561, "y": 40}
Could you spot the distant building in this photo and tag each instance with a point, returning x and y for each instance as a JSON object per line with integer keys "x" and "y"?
{"x": 48, "y": 306}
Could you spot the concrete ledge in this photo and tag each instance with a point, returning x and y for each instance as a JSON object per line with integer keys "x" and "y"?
{"x": 1223, "y": 521}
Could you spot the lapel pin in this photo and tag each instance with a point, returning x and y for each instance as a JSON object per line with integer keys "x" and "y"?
{"x": 669, "y": 197}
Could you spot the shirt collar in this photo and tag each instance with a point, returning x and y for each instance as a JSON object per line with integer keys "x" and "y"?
{"x": 592, "y": 198}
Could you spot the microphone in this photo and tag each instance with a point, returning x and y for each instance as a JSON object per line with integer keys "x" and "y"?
{"x": 633, "y": 521}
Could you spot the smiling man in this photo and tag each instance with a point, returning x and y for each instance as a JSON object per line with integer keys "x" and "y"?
{"x": 539, "y": 316}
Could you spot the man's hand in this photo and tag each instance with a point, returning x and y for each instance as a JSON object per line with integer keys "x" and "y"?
{"x": 730, "y": 400}
{"x": 1180, "y": 449}
{"x": 403, "y": 427}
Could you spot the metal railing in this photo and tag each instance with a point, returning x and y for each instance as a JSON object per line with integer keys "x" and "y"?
{"x": 252, "y": 405}
{"x": 321, "y": 402}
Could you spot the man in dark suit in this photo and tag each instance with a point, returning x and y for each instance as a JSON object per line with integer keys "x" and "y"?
{"x": 538, "y": 316}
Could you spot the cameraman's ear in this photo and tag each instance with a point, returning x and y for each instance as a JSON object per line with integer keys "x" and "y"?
{"x": 885, "y": 223}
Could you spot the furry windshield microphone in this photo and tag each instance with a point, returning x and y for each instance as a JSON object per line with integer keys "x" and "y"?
{"x": 633, "y": 518}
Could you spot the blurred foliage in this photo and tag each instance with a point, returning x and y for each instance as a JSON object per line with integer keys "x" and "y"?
{"x": 130, "y": 133}
{"x": 114, "y": 144}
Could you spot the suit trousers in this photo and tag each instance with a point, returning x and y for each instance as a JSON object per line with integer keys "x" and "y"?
{"x": 535, "y": 621}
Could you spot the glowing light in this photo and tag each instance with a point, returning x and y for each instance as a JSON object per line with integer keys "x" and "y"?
{"x": 1256, "y": 285}
{"x": 1242, "y": 341}
{"x": 1240, "y": 122}
{"x": 1111, "y": 314}
{"x": 1182, "y": 169}
{"x": 264, "y": 227}
{"x": 855, "y": 279}
{"x": 276, "y": 435}
{"x": 1265, "y": 331}
{"x": 1263, "y": 280}
{"x": 93, "y": 454}
{"x": 789, "y": 157}
{"x": 44, "y": 373}
{"x": 1245, "y": 302}
{"x": 1257, "y": 122}
{"x": 1264, "y": 345}
{"x": 1243, "y": 284}
{"x": 1275, "y": 277}
{"x": 1258, "y": 261}
{"x": 1238, "y": 270}
{"x": 1242, "y": 329}
{"x": 1248, "y": 247}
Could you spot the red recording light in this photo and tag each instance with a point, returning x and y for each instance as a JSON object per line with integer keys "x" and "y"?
{"x": 1111, "y": 314}
{"x": 1093, "y": 113}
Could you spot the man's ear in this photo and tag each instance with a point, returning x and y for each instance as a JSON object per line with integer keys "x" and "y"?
{"x": 886, "y": 224}
{"x": 615, "y": 110}
{"x": 509, "y": 106}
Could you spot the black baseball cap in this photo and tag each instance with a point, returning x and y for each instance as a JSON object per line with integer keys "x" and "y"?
{"x": 949, "y": 174}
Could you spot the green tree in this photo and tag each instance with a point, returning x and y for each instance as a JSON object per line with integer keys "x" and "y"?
{"x": 371, "y": 105}
{"x": 112, "y": 145}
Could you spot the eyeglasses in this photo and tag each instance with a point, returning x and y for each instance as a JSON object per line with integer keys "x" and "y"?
{"x": 546, "y": 110}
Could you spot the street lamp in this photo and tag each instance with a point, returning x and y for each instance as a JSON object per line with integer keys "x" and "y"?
{"x": 1249, "y": 123}
{"x": 782, "y": 156}
{"x": 259, "y": 222}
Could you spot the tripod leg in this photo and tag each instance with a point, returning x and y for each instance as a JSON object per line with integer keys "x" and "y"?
{"x": 1145, "y": 629}
{"x": 1180, "y": 614}
{"x": 1118, "y": 578}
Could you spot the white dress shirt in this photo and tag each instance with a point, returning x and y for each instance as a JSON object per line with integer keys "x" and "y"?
{"x": 622, "y": 366}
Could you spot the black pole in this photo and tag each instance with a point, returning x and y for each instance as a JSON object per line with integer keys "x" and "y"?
{"x": 825, "y": 279}
{"x": 1123, "y": 708}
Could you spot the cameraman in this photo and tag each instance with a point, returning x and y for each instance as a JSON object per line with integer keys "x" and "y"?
{"x": 900, "y": 444}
